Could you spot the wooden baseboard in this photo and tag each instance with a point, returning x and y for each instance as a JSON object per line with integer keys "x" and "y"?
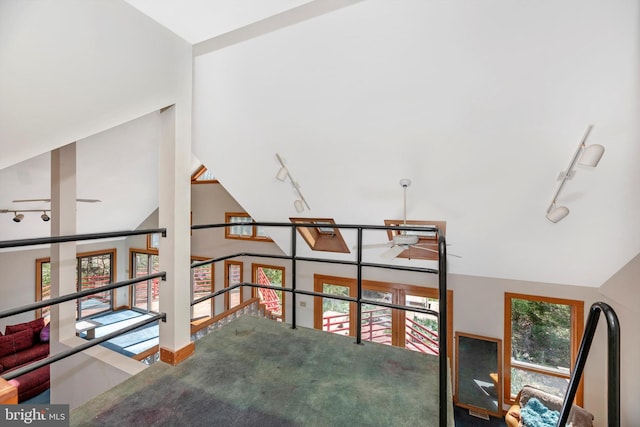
{"x": 175, "y": 357}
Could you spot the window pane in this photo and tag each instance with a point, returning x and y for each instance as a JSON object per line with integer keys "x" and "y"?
{"x": 202, "y": 285}
{"x": 421, "y": 329}
{"x": 553, "y": 385}
{"x": 376, "y": 320}
{"x": 95, "y": 271}
{"x": 541, "y": 333}
{"x": 235, "y": 277}
{"x": 335, "y": 313}
{"x": 241, "y": 230}
{"x": 45, "y": 274}
{"x": 261, "y": 231}
{"x": 271, "y": 298}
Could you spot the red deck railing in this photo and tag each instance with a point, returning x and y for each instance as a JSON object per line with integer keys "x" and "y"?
{"x": 376, "y": 327}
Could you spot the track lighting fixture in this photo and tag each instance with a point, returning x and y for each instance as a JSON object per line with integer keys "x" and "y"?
{"x": 18, "y": 216}
{"x": 282, "y": 175}
{"x": 585, "y": 156}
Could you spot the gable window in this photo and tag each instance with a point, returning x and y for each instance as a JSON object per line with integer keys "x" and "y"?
{"x": 427, "y": 240}
{"x": 93, "y": 269}
{"x": 321, "y": 237}
{"x": 542, "y": 338}
{"x": 245, "y": 228}
{"x": 203, "y": 176}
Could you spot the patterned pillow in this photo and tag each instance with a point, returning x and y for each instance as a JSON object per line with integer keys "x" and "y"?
{"x": 18, "y": 341}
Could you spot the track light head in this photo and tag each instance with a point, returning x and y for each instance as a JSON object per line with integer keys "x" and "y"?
{"x": 45, "y": 217}
{"x": 18, "y": 217}
{"x": 591, "y": 155}
{"x": 557, "y": 213}
{"x": 282, "y": 174}
{"x": 298, "y": 205}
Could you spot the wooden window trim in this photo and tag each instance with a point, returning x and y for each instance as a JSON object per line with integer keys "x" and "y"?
{"x": 254, "y": 229}
{"x": 318, "y": 239}
{"x": 577, "y": 329}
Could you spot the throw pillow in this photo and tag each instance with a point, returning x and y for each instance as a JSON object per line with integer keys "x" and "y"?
{"x": 44, "y": 333}
{"x": 18, "y": 341}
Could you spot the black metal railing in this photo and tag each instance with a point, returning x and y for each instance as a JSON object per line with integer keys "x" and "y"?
{"x": 358, "y": 300}
{"x": 613, "y": 364}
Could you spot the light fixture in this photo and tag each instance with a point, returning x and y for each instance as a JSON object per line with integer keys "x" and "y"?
{"x": 283, "y": 174}
{"x": 585, "y": 156}
{"x": 18, "y": 216}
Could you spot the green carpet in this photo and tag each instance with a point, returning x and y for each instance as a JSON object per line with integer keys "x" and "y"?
{"x": 257, "y": 372}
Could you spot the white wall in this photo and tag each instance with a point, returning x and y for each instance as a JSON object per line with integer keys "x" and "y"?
{"x": 75, "y": 68}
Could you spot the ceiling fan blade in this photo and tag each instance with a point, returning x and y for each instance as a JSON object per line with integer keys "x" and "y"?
{"x": 393, "y": 252}
{"x": 433, "y": 250}
{"x": 375, "y": 245}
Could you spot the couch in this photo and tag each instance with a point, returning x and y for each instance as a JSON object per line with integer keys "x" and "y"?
{"x": 22, "y": 344}
{"x": 543, "y": 407}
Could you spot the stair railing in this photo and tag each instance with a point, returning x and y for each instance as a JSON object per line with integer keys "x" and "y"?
{"x": 613, "y": 364}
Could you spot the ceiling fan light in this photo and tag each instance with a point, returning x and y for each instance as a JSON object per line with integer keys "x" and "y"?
{"x": 591, "y": 155}
{"x": 557, "y": 213}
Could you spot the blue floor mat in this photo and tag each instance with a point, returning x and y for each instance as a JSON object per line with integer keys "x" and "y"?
{"x": 116, "y": 316}
{"x": 133, "y": 342}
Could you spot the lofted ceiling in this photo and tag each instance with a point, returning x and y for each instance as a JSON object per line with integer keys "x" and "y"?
{"x": 480, "y": 104}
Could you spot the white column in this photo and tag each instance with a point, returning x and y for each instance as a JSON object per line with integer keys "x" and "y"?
{"x": 175, "y": 215}
{"x": 63, "y": 255}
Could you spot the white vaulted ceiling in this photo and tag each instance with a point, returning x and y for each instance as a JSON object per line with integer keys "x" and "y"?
{"x": 481, "y": 104}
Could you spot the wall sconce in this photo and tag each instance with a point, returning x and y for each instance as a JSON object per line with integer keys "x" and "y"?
{"x": 585, "y": 156}
{"x": 18, "y": 216}
{"x": 282, "y": 174}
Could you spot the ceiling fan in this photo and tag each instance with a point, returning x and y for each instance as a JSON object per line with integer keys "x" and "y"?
{"x": 402, "y": 241}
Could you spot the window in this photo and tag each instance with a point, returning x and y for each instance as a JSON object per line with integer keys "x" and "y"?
{"x": 323, "y": 237}
{"x": 93, "y": 270}
{"x": 542, "y": 338}
{"x": 245, "y": 230}
{"x": 201, "y": 285}
{"x": 232, "y": 277}
{"x": 273, "y": 299}
{"x": 407, "y": 329}
{"x": 427, "y": 239}
{"x": 145, "y": 295}
{"x": 203, "y": 176}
